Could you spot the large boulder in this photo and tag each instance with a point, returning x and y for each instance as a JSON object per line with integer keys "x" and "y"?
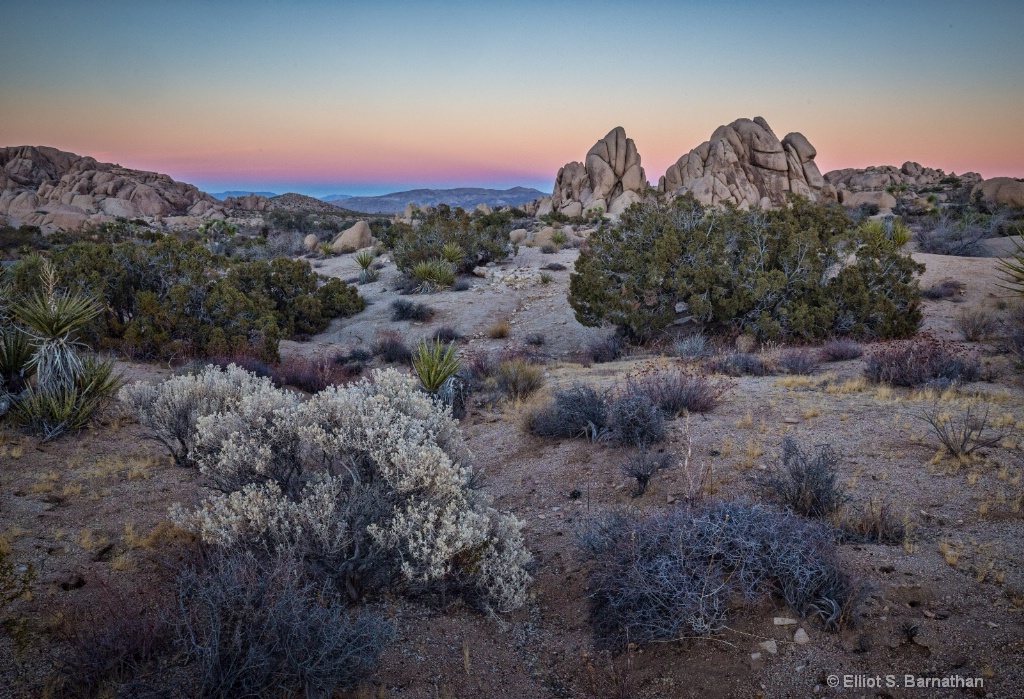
{"x": 355, "y": 238}
{"x": 611, "y": 169}
{"x": 746, "y": 165}
{"x": 1000, "y": 191}
{"x": 249, "y": 202}
{"x": 886, "y": 186}
{"x": 59, "y": 190}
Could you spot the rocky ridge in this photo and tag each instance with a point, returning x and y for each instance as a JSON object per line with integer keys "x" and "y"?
{"x": 886, "y": 186}
{"x": 54, "y": 189}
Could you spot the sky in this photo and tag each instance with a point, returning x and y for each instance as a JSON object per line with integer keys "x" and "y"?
{"x": 372, "y": 97}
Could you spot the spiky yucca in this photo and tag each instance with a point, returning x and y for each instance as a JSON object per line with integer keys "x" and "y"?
{"x": 435, "y": 363}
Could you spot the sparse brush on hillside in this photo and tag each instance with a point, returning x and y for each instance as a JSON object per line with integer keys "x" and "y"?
{"x": 917, "y": 362}
{"x": 455, "y": 237}
{"x": 786, "y": 273}
{"x": 805, "y": 480}
{"x": 951, "y": 235}
{"x": 175, "y": 298}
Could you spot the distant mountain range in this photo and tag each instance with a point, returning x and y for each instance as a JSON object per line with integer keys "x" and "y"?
{"x": 335, "y": 197}
{"x": 221, "y": 196}
{"x": 466, "y": 197}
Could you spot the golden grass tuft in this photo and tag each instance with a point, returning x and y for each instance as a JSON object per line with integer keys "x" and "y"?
{"x": 499, "y": 330}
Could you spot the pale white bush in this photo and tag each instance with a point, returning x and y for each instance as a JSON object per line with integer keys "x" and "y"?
{"x": 364, "y": 481}
{"x": 171, "y": 408}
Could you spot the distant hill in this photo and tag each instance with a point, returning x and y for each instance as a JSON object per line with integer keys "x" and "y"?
{"x": 221, "y": 196}
{"x": 335, "y": 197}
{"x": 300, "y": 202}
{"x": 466, "y": 197}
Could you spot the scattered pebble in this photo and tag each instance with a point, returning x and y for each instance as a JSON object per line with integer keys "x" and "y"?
{"x": 801, "y": 637}
{"x": 770, "y": 646}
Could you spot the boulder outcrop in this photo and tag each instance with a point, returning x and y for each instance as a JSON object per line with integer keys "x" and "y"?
{"x": 611, "y": 171}
{"x": 885, "y": 186}
{"x": 1000, "y": 191}
{"x": 355, "y": 238}
{"x": 745, "y": 164}
{"x": 53, "y": 189}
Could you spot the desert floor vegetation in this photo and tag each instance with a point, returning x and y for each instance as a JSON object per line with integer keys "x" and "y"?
{"x": 885, "y": 477}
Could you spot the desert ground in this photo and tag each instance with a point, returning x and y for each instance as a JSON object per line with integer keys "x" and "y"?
{"x": 89, "y": 513}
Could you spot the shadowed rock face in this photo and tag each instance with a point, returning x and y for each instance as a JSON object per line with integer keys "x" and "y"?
{"x": 1001, "y": 191}
{"x": 745, "y": 164}
{"x": 53, "y": 189}
{"x": 610, "y": 180}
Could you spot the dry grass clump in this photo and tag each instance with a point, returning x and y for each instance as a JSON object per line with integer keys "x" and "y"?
{"x": 499, "y": 330}
{"x": 875, "y": 523}
{"x": 739, "y": 364}
{"x": 578, "y": 411}
{"x": 641, "y": 467}
{"x": 961, "y": 434}
{"x": 605, "y": 349}
{"x": 518, "y": 378}
{"x": 677, "y": 391}
{"x": 943, "y": 290}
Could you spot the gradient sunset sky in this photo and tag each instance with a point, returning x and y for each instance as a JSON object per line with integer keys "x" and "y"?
{"x": 366, "y": 98}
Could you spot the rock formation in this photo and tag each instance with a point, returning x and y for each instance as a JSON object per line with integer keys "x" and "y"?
{"x": 249, "y": 202}
{"x": 1000, "y": 191}
{"x": 745, "y": 164}
{"x": 885, "y": 186}
{"x": 610, "y": 180}
{"x": 355, "y": 238}
{"x": 53, "y": 189}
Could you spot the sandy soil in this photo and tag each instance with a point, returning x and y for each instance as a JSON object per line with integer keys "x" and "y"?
{"x": 65, "y": 507}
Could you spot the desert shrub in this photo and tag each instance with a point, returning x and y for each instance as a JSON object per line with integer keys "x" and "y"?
{"x": 480, "y": 239}
{"x": 388, "y": 345}
{"x": 892, "y": 229}
{"x": 578, "y": 411}
{"x": 678, "y": 573}
{"x": 605, "y": 349}
{"x": 310, "y": 374}
{"x": 634, "y": 419}
{"x": 918, "y": 362}
{"x": 536, "y": 340}
{"x": 798, "y": 361}
{"x": 548, "y": 249}
{"x": 51, "y": 413}
{"x": 518, "y": 379}
{"x": 739, "y": 364}
{"x": 802, "y": 271}
{"x": 975, "y": 323}
{"x": 943, "y": 290}
{"x": 961, "y": 434}
{"x": 641, "y": 467}
{"x": 677, "y": 391}
{"x": 115, "y": 647}
{"x": 16, "y": 367}
{"x": 805, "y": 480}
{"x": 171, "y": 408}
{"x": 256, "y": 628}
{"x": 840, "y": 350}
{"x": 559, "y": 237}
{"x": 434, "y": 363}
{"x": 175, "y": 298}
{"x": 368, "y": 484}
{"x": 500, "y": 330}
{"x": 554, "y": 267}
{"x": 951, "y": 235}
{"x": 251, "y": 364}
{"x": 462, "y": 284}
{"x": 407, "y": 310}
{"x": 692, "y": 347}
{"x": 446, "y": 334}
{"x": 364, "y": 258}
{"x": 875, "y": 523}
{"x": 545, "y": 278}
{"x": 434, "y": 273}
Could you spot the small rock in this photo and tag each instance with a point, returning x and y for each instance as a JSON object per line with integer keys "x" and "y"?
{"x": 991, "y": 624}
{"x": 784, "y": 621}
{"x": 670, "y": 499}
{"x": 480, "y": 272}
{"x": 801, "y": 637}
{"x": 929, "y": 615}
{"x": 755, "y": 656}
{"x": 770, "y": 646}
{"x": 791, "y": 421}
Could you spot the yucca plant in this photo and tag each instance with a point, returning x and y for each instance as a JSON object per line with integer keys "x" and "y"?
{"x": 1012, "y": 269}
{"x": 364, "y": 259}
{"x": 15, "y": 360}
{"x": 452, "y": 253}
{"x": 51, "y": 413}
{"x": 53, "y": 322}
{"x": 435, "y": 363}
{"x": 435, "y": 272}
